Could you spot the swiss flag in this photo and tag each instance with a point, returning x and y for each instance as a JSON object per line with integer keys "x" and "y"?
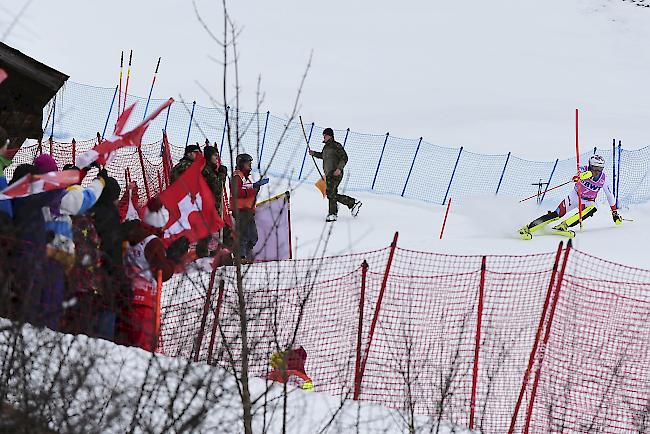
{"x": 34, "y": 184}
{"x": 190, "y": 203}
{"x": 103, "y": 153}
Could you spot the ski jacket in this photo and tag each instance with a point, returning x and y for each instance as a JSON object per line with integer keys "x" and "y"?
{"x": 215, "y": 180}
{"x": 590, "y": 187}
{"x": 179, "y": 168}
{"x": 333, "y": 156}
{"x": 246, "y": 193}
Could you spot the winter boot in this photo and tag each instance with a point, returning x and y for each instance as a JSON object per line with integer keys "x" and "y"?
{"x": 330, "y": 218}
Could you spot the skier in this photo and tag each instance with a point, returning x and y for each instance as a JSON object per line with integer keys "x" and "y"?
{"x": 588, "y": 184}
{"x": 334, "y": 160}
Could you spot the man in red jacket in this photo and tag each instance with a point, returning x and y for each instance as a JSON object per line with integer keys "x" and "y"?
{"x": 244, "y": 193}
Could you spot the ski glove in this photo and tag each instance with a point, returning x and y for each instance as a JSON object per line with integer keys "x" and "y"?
{"x": 261, "y": 182}
{"x": 617, "y": 218}
{"x": 582, "y": 176}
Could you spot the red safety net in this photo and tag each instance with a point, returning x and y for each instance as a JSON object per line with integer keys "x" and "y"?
{"x": 421, "y": 344}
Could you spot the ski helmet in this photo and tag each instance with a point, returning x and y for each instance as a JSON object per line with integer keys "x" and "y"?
{"x": 242, "y": 159}
{"x": 597, "y": 161}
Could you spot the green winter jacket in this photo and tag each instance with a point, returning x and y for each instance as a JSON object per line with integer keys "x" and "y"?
{"x": 4, "y": 163}
{"x": 333, "y": 156}
{"x": 216, "y": 181}
{"x": 179, "y": 168}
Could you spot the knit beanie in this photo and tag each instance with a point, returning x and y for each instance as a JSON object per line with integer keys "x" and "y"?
{"x": 45, "y": 163}
{"x": 155, "y": 214}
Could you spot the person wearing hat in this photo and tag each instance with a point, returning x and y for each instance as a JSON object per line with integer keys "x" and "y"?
{"x": 244, "y": 194}
{"x": 185, "y": 162}
{"x": 215, "y": 175}
{"x": 334, "y": 160}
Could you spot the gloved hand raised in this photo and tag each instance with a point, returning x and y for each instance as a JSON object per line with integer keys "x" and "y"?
{"x": 261, "y": 182}
{"x": 616, "y": 217}
{"x": 582, "y": 176}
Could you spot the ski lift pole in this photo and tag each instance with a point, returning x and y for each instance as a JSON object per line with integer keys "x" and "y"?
{"x": 146, "y": 107}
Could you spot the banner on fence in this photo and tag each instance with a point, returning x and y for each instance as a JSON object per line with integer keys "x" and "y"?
{"x": 273, "y": 219}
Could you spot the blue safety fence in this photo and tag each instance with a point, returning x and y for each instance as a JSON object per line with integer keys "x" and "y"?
{"x": 379, "y": 163}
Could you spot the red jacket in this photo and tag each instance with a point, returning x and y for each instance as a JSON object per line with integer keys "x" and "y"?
{"x": 243, "y": 188}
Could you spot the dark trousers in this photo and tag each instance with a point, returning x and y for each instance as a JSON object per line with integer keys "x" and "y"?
{"x": 333, "y": 194}
{"x": 246, "y": 233}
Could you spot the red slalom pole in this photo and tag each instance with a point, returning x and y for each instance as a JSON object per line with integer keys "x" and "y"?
{"x": 578, "y": 169}
{"x": 119, "y": 92}
{"x": 128, "y": 76}
{"x": 444, "y": 222}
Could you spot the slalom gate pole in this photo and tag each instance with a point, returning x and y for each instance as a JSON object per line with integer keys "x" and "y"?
{"x": 110, "y": 109}
{"x": 146, "y": 107}
{"x": 547, "y": 333}
{"x": 578, "y": 173}
{"x": 415, "y": 156}
{"x": 538, "y": 335}
{"x": 381, "y": 156}
{"x": 503, "y": 172}
{"x": 444, "y": 222}
{"x": 74, "y": 149}
{"x": 128, "y": 77}
{"x": 304, "y": 134}
{"x": 156, "y": 336}
{"x": 357, "y": 365}
{"x": 144, "y": 174}
{"x": 215, "y": 321}
{"x": 549, "y": 179}
{"x": 614, "y": 170}
{"x": 204, "y": 317}
{"x": 189, "y": 128}
{"x": 550, "y": 189}
{"x": 618, "y": 170}
{"x": 119, "y": 97}
{"x": 477, "y": 345}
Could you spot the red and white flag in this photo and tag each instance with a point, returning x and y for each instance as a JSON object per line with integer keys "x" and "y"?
{"x": 34, "y": 184}
{"x": 190, "y": 203}
{"x": 103, "y": 153}
{"x": 3, "y": 75}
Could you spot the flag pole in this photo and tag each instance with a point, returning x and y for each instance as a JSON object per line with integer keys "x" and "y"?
{"x": 128, "y": 76}
{"x": 119, "y": 98}
{"x": 146, "y": 107}
{"x": 578, "y": 170}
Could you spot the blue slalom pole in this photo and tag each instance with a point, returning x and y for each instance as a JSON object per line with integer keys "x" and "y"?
{"x": 304, "y": 157}
{"x": 110, "y": 109}
{"x": 187, "y": 139}
{"x": 502, "y": 173}
{"x": 346, "y": 137}
{"x": 223, "y": 134}
{"x": 266, "y": 123}
{"x": 549, "y": 180}
{"x": 146, "y": 107}
{"x": 452, "y": 175}
{"x": 53, "y": 116}
{"x": 379, "y": 162}
{"x": 412, "y": 164}
{"x": 618, "y": 180}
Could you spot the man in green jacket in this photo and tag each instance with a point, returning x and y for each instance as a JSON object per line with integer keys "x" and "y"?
{"x": 215, "y": 175}
{"x": 185, "y": 162}
{"x": 334, "y": 160}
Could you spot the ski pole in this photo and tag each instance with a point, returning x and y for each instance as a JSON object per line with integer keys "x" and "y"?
{"x": 304, "y": 134}
{"x": 550, "y": 189}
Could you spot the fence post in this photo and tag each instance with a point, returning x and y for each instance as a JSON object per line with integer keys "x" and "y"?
{"x": 477, "y": 344}
{"x": 379, "y": 162}
{"x": 362, "y": 301}
{"x": 533, "y": 352}
{"x": 346, "y": 137}
{"x": 412, "y": 164}
{"x": 223, "y": 133}
{"x": 548, "y": 184}
{"x": 144, "y": 174}
{"x": 502, "y": 173}
{"x": 452, "y": 175}
{"x": 215, "y": 321}
{"x": 614, "y": 168}
{"x": 304, "y": 157}
{"x": 618, "y": 170}
{"x": 547, "y": 333}
{"x": 266, "y": 123}
{"x": 169, "y": 108}
{"x": 189, "y": 128}
{"x": 53, "y": 117}
{"x": 110, "y": 109}
{"x": 74, "y": 149}
{"x": 393, "y": 246}
{"x": 204, "y": 317}
{"x": 51, "y": 141}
